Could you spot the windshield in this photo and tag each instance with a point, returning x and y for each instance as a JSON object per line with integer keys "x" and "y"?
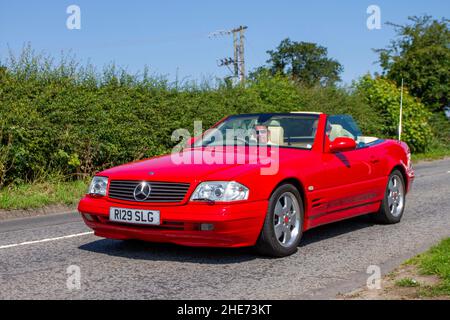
{"x": 283, "y": 130}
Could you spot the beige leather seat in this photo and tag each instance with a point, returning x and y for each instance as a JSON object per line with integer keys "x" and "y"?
{"x": 276, "y": 135}
{"x": 366, "y": 140}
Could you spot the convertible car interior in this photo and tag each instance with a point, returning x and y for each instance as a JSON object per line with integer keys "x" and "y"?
{"x": 284, "y": 133}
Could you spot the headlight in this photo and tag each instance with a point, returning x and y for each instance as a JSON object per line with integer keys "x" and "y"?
{"x": 221, "y": 191}
{"x": 98, "y": 186}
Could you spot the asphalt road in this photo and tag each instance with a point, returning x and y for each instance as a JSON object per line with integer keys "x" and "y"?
{"x": 331, "y": 259}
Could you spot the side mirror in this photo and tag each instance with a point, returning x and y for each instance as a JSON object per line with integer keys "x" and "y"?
{"x": 342, "y": 144}
{"x": 190, "y": 142}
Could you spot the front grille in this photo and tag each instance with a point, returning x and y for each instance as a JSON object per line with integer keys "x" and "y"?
{"x": 160, "y": 191}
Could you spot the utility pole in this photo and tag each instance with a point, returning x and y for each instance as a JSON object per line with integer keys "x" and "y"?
{"x": 400, "y": 124}
{"x": 238, "y": 61}
{"x": 236, "y": 54}
{"x": 241, "y": 54}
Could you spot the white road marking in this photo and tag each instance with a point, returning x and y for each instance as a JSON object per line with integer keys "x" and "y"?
{"x": 46, "y": 240}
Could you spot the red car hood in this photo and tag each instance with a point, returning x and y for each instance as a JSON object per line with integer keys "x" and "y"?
{"x": 166, "y": 170}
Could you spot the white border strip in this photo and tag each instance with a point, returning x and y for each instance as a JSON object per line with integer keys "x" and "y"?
{"x": 45, "y": 240}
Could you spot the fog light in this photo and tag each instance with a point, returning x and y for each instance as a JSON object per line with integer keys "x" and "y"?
{"x": 88, "y": 217}
{"x": 206, "y": 227}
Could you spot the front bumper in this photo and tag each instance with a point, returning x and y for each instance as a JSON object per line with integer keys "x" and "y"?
{"x": 235, "y": 225}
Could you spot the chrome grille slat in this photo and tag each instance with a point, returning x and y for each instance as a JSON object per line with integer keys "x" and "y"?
{"x": 160, "y": 191}
{"x": 156, "y": 196}
{"x": 168, "y": 184}
{"x": 154, "y": 188}
{"x": 153, "y": 200}
{"x": 153, "y": 192}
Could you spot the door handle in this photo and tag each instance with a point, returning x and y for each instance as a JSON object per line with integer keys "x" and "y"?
{"x": 374, "y": 160}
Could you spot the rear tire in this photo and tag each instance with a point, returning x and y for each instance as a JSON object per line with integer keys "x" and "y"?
{"x": 394, "y": 201}
{"x": 283, "y": 226}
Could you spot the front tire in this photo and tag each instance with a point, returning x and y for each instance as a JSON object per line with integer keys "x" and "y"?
{"x": 394, "y": 201}
{"x": 283, "y": 226}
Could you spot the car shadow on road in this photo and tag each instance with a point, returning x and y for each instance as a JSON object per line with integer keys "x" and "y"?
{"x": 139, "y": 250}
{"x": 335, "y": 229}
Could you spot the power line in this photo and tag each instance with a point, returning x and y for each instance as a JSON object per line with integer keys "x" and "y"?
{"x": 238, "y": 61}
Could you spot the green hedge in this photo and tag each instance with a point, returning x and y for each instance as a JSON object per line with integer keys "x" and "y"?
{"x": 384, "y": 98}
{"x": 68, "y": 121}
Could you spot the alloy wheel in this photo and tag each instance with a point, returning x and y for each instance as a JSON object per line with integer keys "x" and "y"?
{"x": 287, "y": 219}
{"x": 396, "y": 196}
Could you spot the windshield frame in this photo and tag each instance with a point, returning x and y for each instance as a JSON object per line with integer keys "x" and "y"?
{"x": 267, "y": 116}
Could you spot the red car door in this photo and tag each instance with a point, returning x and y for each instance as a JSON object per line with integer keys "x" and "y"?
{"x": 349, "y": 177}
{"x": 346, "y": 186}
{"x": 380, "y": 166}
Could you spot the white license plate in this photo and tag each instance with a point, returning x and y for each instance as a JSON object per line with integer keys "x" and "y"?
{"x": 135, "y": 216}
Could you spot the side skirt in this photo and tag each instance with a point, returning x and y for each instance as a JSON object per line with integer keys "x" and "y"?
{"x": 342, "y": 214}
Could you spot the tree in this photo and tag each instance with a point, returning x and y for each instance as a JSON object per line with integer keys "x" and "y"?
{"x": 383, "y": 96}
{"x": 421, "y": 56}
{"x": 305, "y": 62}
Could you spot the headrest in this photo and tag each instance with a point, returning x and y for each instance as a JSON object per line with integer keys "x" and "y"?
{"x": 276, "y": 135}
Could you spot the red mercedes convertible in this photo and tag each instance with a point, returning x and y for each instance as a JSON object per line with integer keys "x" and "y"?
{"x": 253, "y": 180}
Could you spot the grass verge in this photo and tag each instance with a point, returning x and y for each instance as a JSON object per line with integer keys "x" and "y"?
{"x": 434, "y": 154}
{"x": 424, "y": 277}
{"x": 37, "y": 195}
{"x": 407, "y": 283}
{"x": 435, "y": 262}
